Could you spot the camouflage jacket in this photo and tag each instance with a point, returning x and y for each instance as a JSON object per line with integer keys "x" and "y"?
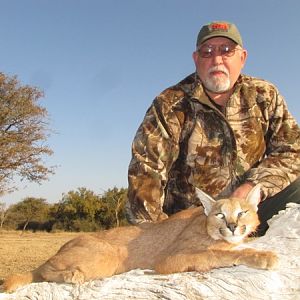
{"x": 185, "y": 141}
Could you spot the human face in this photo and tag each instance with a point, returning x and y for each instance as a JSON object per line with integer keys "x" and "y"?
{"x": 218, "y": 73}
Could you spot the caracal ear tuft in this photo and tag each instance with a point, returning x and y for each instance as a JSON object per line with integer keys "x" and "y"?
{"x": 206, "y": 200}
{"x": 254, "y": 197}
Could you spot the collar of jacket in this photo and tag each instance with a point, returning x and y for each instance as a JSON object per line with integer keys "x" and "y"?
{"x": 196, "y": 91}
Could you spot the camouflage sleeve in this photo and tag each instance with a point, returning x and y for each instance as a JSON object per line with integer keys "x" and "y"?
{"x": 281, "y": 165}
{"x": 154, "y": 149}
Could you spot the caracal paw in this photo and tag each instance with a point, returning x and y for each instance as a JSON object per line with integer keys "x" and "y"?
{"x": 75, "y": 276}
{"x": 267, "y": 260}
{"x": 272, "y": 261}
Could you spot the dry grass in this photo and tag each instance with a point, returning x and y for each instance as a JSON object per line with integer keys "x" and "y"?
{"x": 26, "y": 252}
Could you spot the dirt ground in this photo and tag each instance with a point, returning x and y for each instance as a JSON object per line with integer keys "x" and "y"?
{"x": 26, "y": 252}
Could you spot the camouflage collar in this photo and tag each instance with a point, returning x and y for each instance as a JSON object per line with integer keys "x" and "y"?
{"x": 194, "y": 89}
{"x": 197, "y": 92}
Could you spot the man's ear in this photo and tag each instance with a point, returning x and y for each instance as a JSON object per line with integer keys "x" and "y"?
{"x": 206, "y": 200}
{"x": 195, "y": 58}
{"x": 244, "y": 56}
{"x": 254, "y": 197}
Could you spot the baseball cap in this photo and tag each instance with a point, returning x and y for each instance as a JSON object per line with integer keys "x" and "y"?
{"x": 219, "y": 28}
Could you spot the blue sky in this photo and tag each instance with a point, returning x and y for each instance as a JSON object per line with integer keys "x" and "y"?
{"x": 101, "y": 63}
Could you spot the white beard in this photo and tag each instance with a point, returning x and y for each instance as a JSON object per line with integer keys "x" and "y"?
{"x": 217, "y": 84}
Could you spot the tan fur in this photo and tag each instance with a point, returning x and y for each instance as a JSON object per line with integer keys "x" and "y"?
{"x": 178, "y": 244}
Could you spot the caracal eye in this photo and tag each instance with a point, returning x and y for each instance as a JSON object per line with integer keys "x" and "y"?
{"x": 242, "y": 213}
{"x": 220, "y": 216}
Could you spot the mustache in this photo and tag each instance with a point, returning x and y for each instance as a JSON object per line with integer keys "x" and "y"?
{"x": 218, "y": 69}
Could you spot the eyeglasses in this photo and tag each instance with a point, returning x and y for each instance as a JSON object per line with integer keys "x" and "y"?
{"x": 208, "y": 51}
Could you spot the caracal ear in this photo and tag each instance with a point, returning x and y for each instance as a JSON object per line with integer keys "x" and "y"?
{"x": 254, "y": 197}
{"x": 206, "y": 200}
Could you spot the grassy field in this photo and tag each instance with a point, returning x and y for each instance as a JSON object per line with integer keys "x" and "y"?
{"x": 23, "y": 253}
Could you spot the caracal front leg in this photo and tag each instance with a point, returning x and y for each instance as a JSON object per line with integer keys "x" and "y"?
{"x": 258, "y": 259}
{"x": 211, "y": 259}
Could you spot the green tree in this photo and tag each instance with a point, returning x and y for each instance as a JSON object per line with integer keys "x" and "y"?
{"x": 23, "y": 133}
{"x": 83, "y": 210}
{"x": 77, "y": 211}
{"x": 28, "y": 210}
{"x": 114, "y": 201}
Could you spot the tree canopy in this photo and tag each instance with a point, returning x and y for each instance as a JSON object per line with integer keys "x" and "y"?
{"x": 28, "y": 210}
{"x": 23, "y": 133}
{"x": 79, "y": 210}
{"x": 83, "y": 210}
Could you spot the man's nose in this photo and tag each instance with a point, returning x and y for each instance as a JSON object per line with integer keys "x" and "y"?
{"x": 217, "y": 58}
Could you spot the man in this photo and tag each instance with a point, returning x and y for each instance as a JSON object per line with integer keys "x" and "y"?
{"x": 217, "y": 130}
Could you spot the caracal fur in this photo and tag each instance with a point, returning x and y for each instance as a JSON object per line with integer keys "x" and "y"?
{"x": 196, "y": 239}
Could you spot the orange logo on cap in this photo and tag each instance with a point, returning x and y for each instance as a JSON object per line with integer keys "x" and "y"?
{"x": 219, "y": 26}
